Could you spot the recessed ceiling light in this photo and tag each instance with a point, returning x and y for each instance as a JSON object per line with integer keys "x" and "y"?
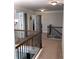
{"x": 42, "y": 10}
{"x": 54, "y": 3}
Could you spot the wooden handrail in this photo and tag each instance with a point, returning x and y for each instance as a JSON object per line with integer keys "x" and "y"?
{"x": 24, "y": 30}
{"x": 26, "y": 39}
{"x": 54, "y": 27}
{"x": 57, "y": 27}
{"x": 18, "y": 30}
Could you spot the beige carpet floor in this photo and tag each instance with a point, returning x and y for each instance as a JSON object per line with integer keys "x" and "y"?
{"x": 51, "y": 48}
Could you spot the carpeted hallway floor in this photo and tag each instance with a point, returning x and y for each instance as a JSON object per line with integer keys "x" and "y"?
{"x": 51, "y": 48}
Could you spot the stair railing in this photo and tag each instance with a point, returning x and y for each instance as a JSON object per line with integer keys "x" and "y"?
{"x": 54, "y": 31}
{"x": 22, "y": 48}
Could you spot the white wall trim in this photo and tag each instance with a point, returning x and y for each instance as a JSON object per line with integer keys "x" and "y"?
{"x": 24, "y": 9}
{"x": 44, "y": 31}
{"x": 58, "y": 11}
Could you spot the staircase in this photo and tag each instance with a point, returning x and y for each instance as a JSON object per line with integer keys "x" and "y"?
{"x": 28, "y": 47}
{"x": 28, "y": 54}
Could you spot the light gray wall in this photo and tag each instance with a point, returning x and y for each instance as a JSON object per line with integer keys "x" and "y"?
{"x": 49, "y": 17}
{"x": 54, "y": 17}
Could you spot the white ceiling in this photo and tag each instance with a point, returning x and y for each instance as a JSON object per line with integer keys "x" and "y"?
{"x": 38, "y": 4}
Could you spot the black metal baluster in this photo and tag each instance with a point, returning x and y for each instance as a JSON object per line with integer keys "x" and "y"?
{"x": 28, "y": 53}
{"x": 26, "y": 49}
{"x": 17, "y": 53}
{"x": 40, "y": 40}
{"x": 22, "y": 51}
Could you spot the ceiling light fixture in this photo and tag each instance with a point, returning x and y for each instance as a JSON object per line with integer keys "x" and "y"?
{"x": 54, "y": 3}
{"x": 42, "y": 10}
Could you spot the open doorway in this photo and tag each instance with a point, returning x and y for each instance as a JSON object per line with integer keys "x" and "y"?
{"x": 36, "y": 23}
